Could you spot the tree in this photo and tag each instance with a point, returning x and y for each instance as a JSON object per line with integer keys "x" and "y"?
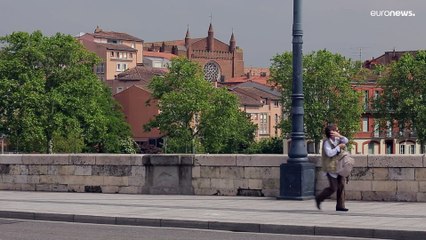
{"x": 50, "y": 97}
{"x": 328, "y": 94}
{"x": 404, "y": 95}
{"x": 195, "y": 116}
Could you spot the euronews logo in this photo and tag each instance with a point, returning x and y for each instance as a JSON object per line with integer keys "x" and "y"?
{"x": 392, "y": 13}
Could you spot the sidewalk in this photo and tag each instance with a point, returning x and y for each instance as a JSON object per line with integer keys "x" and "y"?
{"x": 388, "y": 220}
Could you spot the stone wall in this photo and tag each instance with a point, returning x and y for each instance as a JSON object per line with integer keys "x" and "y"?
{"x": 375, "y": 177}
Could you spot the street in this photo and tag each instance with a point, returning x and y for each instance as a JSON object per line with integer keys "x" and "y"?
{"x": 13, "y": 229}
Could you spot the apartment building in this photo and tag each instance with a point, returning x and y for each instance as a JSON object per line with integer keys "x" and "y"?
{"x": 118, "y": 51}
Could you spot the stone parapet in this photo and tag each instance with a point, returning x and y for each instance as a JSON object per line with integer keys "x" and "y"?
{"x": 374, "y": 178}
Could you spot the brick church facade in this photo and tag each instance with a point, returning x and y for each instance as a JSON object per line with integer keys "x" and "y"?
{"x": 219, "y": 60}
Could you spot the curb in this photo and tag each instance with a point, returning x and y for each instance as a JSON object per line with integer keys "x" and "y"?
{"x": 226, "y": 226}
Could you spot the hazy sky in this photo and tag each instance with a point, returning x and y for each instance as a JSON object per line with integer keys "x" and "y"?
{"x": 261, "y": 27}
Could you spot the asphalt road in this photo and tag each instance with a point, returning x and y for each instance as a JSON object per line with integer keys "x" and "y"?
{"x": 11, "y": 229}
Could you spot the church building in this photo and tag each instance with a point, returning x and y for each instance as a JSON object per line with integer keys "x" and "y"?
{"x": 219, "y": 60}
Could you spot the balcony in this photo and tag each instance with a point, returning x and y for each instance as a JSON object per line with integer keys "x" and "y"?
{"x": 388, "y": 134}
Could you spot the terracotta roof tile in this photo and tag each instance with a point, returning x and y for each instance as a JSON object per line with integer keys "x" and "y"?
{"x": 141, "y": 74}
{"x": 165, "y": 55}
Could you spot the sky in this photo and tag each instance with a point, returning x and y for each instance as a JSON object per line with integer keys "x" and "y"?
{"x": 356, "y": 29}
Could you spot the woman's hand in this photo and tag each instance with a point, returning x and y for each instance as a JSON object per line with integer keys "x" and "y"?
{"x": 335, "y": 134}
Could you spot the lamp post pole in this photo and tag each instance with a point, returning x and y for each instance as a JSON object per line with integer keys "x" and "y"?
{"x": 297, "y": 176}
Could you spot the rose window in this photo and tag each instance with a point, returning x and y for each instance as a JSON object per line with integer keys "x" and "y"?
{"x": 211, "y": 72}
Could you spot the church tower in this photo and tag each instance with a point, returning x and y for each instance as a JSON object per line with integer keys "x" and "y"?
{"x": 188, "y": 44}
{"x": 210, "y": 39}
{"x": 232, "y": 43}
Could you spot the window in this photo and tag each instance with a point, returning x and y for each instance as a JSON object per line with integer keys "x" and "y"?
{"x": 118, "y": 67}
{"x": 276, "y": 119}
{"x": 371, "y": 148}
{"x": 133, "y": 45}
{"x": 411, "y": 149}
{"x": 365, "y": 99}
{"x": 130, "y": 55}
{"x": 376, "y": 130}
{"x": 112, "y": 54}
{"x": 124, "y": 66}
{"x": 388, "y": 129}
{"x": 365, "y": 124}
{"x": 263, "y": 123}
{"x": 212, "y": 71}
{"x": 254, "y": 116}
{"x": 276, "y": 104}
{"x": 100, "y": 68}
{"x": 401, "y": 149}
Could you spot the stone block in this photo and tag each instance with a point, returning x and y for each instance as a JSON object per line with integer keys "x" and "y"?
{"x": 271, "y": 192}
{"x": 111, "y": 170}
{"x": 11, "y": 159}
{"x": 37, "y": 169}
{"x": 270, "y": 183}
{"x": 422, "y": 186}
{"x": 136, "y": 181}
{"x": 43, "y": 187}
{"x": 75, "y": 188}
{"x": 83, "y": 170}
{"x": 215, "y": 160}
{"x": 360, "y": 161}
{"x": 406, "y": 196}
{"x": 384, "y": 186}
{"x": 118, "y": 159}
{"x": 59, "y": 188}
{"x": 51, "y": 179}
{"x": 196, "y": 172}
{"x": 315, "y": 159}
{"x": 241, "y": 183}
{"x": 110, "y": 189}
{"x": 378, "y": 196}
{"x": 401, "y": 173}
{"x": 260, "y": 160}
{"x": 66, "y": 170}
{"x": 420, "y": 174}
{"x": 53, "y": 169}
{"x": 138, "y": 171}
{"x": 130, "y": 190}
{"x": 353, "y": 195}
{"x": 222, "y": 183}
{"x": 231, "y": 172}
{"x": 17, "y": 169}
{"x": 359, "y": 186}
{"x": 261, "y": 172}
{"x": 204, "y": 191}
{"x": 381, "y": 173}
{"x": 362, "y": 173}
{"x": 82, "y": 159}
{"x": 116, "y": 181}
{"x": 201, "y": 183}
{"x": 407, "y": 186}
{"x": 421, "y": 197}
{"x": 26, "y": 187}
{"x": 165, "y": 160}
{"x": 255, "y": 183}
{"x": 395, "y": 161}
{"x": 45, "y": 159}
{"x": 209, "y": 172}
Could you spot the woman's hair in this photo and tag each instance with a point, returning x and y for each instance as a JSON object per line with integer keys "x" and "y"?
{"x": 328, "y": 129}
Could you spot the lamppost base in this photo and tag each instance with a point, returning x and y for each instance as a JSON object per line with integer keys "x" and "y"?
{"x": 297, "y": 181}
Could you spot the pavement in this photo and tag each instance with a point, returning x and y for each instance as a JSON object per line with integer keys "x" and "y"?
{"x": 382, "y": 220}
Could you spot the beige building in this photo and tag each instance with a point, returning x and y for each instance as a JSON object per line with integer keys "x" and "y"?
{"x": 262, "y": 104}
{"x": 119, "y": 51}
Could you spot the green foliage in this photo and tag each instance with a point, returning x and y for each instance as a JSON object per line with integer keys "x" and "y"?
{"x": 404, "y": 94}
{"x": 328, "y": 94}
{"x": 195, "y": 116}
{"x": 50, "y": 97}
{"x": 267, "y": 146}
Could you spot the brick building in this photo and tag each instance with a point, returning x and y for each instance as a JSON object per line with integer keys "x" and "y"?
{"x": 219, "y": 60}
